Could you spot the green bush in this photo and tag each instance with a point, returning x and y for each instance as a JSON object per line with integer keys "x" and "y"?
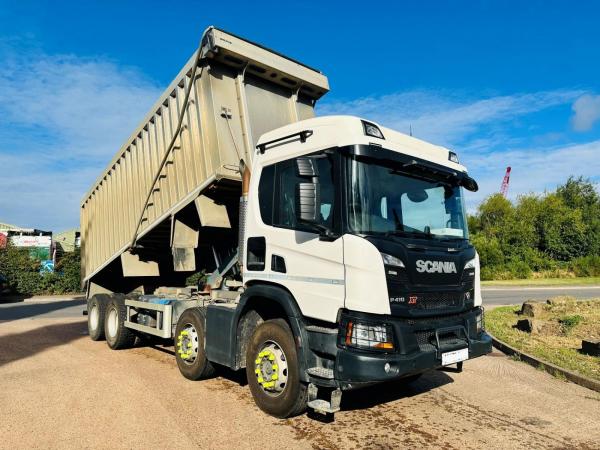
{"x": 554, "y": 234}
{"x": 586, "y": 266}
{"x": 519, "y": 269}
{"x": 24, "y": 277}
{"x": 487, "y": 273}
{"x": 570, "y": 322}
{"x": 490, "y": 252}
{"x": 196, "y": 279}
{"x": 495, "y": 273}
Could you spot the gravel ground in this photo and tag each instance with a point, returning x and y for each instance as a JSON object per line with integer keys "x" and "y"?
{"x": 58, "y": 389}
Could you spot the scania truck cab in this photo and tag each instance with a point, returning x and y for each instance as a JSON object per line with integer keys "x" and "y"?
{"x": 336, "y": 250}
{"x": 363, "y": 229}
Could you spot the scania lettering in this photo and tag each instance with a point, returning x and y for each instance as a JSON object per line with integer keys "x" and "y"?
{"x": 318, "y": 254}
{"x": 436, "y": 266}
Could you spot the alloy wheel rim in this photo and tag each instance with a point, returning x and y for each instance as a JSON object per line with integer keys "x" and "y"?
{"x": 187, "y": 344}
{"x": 113, "y": 322}
{"x": 94, "y": 317}
{"x": 271, "y": 368}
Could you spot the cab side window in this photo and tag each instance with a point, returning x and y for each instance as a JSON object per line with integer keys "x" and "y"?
{"x": 277, "y": 193}
{"x": 266, "y": 194}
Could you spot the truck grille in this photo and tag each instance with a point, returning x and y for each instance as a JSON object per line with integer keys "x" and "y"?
{"x": 438, "y": 300}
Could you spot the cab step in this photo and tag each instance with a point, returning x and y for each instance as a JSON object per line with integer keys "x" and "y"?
{"x": 321, "y": 372}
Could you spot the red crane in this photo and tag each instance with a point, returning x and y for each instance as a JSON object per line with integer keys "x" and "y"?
{"x": 504, "y": 187}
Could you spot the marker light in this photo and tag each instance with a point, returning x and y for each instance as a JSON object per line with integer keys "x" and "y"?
{"x": 372, "y": 130}
{"x": 453, "y": 157}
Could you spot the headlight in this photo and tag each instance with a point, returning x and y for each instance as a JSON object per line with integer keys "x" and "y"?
{"x": 368, "y": 336}
{"x": 470, "y": 264}
{"x": 390, "y": 260}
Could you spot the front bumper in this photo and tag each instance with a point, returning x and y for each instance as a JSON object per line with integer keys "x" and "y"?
{"x": 418, "y": 348}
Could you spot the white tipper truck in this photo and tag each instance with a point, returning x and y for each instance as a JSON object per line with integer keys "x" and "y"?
{"x": 335, "y": 251}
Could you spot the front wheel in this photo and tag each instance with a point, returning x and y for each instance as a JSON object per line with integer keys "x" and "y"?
{"x": 273, "y": 370}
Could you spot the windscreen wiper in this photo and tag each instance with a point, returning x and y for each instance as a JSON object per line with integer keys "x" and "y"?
{"x": 409, "y": 233}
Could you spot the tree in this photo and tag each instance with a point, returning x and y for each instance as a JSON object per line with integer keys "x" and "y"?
{"x": 539, "y": 232}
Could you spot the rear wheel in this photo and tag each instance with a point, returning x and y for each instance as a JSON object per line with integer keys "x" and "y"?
{"x": 190, "y": 352}
{"x": 273, "y": 370}
{"x": 96, "y": 308}
{"x": 118, "y": 336}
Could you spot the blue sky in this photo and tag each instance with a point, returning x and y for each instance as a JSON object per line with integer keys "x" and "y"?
{"x": 502, "y": 83}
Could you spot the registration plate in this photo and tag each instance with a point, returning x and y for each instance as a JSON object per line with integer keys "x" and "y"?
{"x": 455, "y": 356}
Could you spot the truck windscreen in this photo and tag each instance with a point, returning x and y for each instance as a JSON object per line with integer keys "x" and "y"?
{"x": 386, "y": 198}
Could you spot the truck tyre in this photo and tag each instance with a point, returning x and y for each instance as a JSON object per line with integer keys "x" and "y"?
{"x": 96, "y": 307}
{"x": 118, "y": 336}
{"x": 273, "y": 370}
{"x": 190, "y": 352}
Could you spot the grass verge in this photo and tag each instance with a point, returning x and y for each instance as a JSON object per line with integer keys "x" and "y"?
{"x": 581, "y": 281}
{"x": 565, "y": 325}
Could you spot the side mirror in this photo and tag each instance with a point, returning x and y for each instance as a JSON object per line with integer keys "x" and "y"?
{"x": 308, "y": 203}
{"x": 470, "y": 184}
{"x": 308, "y": 194}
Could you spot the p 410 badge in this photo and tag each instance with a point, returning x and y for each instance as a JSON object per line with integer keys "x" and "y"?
{"x": 412, "y": 300}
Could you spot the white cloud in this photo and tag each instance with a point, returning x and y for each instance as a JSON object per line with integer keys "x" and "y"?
{"x": 63, "y": 118}
{"x": 482, "y": 131}
{"x": 533, "y": 169}
{"x": 445, "y": 119}
{"x": 587, "y": 112}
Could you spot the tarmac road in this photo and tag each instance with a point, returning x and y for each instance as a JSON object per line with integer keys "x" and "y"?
{"x": 58, "y": 389}
{"x": 492, "y": 296}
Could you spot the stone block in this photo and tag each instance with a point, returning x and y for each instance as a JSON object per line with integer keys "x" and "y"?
{"x": 534, "y": 326}
{"x": 532, "y": 309}
{"x": 590, "y": 347}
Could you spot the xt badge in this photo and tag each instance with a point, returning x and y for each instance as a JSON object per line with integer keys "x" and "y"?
{"x": 412, "y": 300}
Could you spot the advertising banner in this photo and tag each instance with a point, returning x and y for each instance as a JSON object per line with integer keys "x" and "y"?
{"x": 31, "y": 241}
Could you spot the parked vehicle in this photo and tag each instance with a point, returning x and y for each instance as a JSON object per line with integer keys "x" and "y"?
{"x": 337, "y": 249}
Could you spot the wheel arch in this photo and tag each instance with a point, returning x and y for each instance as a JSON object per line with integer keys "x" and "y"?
{"x": 263, "y": 301}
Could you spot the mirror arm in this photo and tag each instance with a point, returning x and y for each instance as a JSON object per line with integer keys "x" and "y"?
{"x": 325, "y": 234}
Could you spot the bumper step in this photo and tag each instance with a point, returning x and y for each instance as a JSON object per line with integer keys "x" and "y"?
{"x": 323, "y": 406}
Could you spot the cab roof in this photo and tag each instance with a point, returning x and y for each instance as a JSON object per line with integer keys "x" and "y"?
{"x": 339, "y": 131}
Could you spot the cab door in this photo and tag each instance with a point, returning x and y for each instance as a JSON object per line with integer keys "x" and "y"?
{"x": 295, "y": 257}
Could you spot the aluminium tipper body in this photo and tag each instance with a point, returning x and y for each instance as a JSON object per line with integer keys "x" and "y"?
{"x": 240, "y": 91}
